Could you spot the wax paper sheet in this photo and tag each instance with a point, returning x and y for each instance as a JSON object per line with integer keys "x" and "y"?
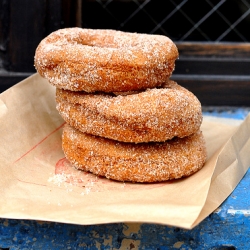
{"x": 38, "y": 183}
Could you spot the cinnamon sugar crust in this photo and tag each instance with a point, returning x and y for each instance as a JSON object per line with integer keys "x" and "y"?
{"x": 125, "y": 119}
{"x": 105, "y": 60}
{"x": 157, "y": 114}
{"x": 143, "y": 162}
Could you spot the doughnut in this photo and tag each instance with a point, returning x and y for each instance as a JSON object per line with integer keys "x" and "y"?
{"x": 93, "y": 60}
{"x": 157, "y": 114}
{"x": 141, "y": 162}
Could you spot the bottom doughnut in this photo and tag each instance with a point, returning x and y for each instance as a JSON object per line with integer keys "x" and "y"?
{"x": 142, "y": 162}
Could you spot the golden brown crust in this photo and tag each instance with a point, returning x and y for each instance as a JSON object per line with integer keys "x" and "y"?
{"x": 144, "y": 162}
{"x": 105, "y": 60}
{"x": 151, "y": 115}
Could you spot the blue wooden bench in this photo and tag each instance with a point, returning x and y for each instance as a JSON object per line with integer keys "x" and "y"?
{"x": 226, "y": 228}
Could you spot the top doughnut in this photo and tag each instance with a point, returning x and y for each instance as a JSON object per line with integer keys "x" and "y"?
{"x": 91, "y": 60}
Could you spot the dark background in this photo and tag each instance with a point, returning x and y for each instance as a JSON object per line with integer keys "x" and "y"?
{"x": 213, "y": 38}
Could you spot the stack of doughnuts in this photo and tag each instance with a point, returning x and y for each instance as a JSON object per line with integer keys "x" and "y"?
{"x": 125, "y": 119}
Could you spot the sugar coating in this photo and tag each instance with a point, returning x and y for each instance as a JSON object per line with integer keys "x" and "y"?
{"x": 105, "y": 60}
{"x": 156, "y": 114}
{"x": 143, "y": 162}
{"x": 116, "y": 84}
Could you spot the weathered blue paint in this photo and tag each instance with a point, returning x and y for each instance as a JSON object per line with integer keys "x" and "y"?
{"x": 227, "y": 228}
{"x": 227, "y": 112}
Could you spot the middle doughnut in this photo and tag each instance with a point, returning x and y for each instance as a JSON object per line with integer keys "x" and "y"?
{"x": 157, "y": 114}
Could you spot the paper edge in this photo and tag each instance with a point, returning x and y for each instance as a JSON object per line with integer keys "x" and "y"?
{"x": 203, "y": 214}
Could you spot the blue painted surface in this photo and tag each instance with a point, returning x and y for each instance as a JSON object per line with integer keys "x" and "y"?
{"x": 227, "y": 228}
{"x": 227, "y": 112}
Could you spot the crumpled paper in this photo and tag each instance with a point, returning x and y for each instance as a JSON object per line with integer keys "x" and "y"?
{"x": 38, "y": 183}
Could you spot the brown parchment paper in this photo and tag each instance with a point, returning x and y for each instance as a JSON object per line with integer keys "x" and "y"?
{"x": 38, "y": 183}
